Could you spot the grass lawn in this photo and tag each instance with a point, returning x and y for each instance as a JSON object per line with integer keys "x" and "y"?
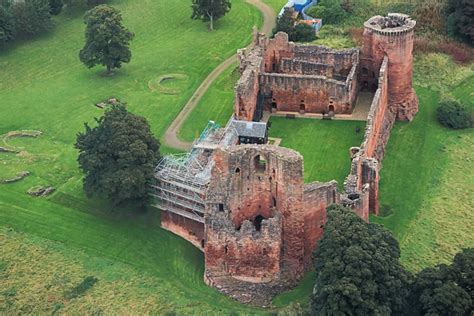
{"x": 216, "y": 105}
{"x": 323, "y": 144}
{"x": 427, "y": 177}
{"x": 44, "y": 87}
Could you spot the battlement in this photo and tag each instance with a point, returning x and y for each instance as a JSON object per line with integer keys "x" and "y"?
{"x": 392, "y": 24}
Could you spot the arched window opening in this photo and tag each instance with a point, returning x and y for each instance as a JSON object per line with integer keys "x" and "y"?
{"x": 258, "y": 222}
{"x": 260, "y": 164}
{"x": 302, "y": 107}
{"x": 237, "y": 170}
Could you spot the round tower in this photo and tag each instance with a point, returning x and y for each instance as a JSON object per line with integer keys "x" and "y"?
{"x": 391, "y": 36}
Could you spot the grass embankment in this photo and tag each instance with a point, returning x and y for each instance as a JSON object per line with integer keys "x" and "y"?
{"x": 427, "y": 175}
{"x": 323, "y": 144}
{"x": 215, "y": 105}
{"x": 44, "y": 87}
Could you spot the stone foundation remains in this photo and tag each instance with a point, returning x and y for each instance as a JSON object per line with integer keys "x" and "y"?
{"x": 246, "y": 205}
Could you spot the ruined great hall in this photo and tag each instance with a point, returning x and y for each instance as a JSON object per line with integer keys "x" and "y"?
{"x": 242, "y": 201}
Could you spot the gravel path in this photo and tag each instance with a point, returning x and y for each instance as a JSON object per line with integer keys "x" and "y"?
{"x": 171, "y": 135}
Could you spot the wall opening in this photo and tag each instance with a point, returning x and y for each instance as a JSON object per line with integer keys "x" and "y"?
{"x": 237, "y": 170}
{"x": 365, "y": 71}
{"x": 258, "y": 222}
{"x": 274, "y": 105}
{"x": 221, "y": 207}
{"x": 274, "y": 201}
{"x": 260, "y": 164}
{"x": 226, "y": 249}
{"x": 202, "y": 243}
{"x": 331, "y": 108}
{"x": 302, "y": 107}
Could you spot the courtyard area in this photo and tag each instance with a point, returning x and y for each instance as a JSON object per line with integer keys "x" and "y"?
{"x": 324, "y": 144}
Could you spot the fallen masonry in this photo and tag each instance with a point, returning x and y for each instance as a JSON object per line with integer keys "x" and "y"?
{"x": 243, "y": 202}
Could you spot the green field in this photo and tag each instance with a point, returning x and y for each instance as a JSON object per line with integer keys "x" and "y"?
{"x": 426, "y": 184}
{"x": 216, "y": 105}
{"x": 317, "y": 140}
{"x": 44, "y": 87}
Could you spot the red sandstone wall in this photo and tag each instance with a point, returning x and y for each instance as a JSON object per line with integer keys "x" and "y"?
{"x": 317, "y": 94}
{"x": 190, "y": 230}
{"x": 317, "y": 197}
{"x": 243, "y": 190}
{"x": 398, "y": 47}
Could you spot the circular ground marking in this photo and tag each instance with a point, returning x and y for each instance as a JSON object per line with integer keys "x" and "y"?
{"x": 168, "y": 83}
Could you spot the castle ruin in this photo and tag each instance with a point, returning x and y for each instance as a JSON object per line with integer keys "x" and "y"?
{"x": 244, "y": 203}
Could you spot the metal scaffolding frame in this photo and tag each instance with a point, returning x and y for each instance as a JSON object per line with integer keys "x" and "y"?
{"x": 181, "y": 180}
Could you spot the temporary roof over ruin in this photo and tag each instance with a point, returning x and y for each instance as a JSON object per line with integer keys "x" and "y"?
{"x": 250, "y": 129}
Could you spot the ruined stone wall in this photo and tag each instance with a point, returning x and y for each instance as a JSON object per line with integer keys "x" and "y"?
{"x": 391, "y": 36}
{"x": 317, "y": 197}
{"x": 254, "y": 216}
{"x": 188, "y": 229}
{"x": 301, "y": 67}
{"x": 295, "y": 78}
{"x": 312, "y": 94}
{"x": 246, "y": 89}
{"x": 366, "y": 159}
{"x": 341, "y": 60}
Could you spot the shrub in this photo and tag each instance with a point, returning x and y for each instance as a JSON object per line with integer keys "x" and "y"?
{"x": 460, "y": 53}
{"x": 304, "y": 33}
{"x": 460, "y": 19}
{"x": 32, "y": 17}
{"x": 7, "y": 25}
{"x": 452, "y": 114}
{"x": 55, "y": 6}
{"x": 330, "y": 12}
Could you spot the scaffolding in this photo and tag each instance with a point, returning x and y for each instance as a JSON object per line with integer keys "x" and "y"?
{"x": 181, "y": 180}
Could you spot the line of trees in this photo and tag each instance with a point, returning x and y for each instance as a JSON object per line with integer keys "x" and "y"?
{"x": 359, "y": 273}
{"x": 27, "y": 18}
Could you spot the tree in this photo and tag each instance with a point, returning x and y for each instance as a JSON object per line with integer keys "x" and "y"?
{"x": 55, "y": 6}
{"x": 460, "y": 19}
{"x": 7, "y": 25}
{"x": 358, "y": 268}
{"x": 452, "y": 114}
{"x": 107, "y": 40}
{"x": 286, "y": 23}
{"x": 32, "y": 17}
{"x": 445, "y": 289}
{"x": 210, "y": 10}
{"x": 304, "y": 33}
{"x": 118, "y": 156}
{"x": 331, "y": 12}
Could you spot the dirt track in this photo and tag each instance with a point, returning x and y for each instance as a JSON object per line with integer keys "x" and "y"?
{"x": 171, "y": 135}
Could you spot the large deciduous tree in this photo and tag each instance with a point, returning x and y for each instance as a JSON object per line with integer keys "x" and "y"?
{"x": 358, "y": 268}
{"x": 107, "y": 40}
{"x": 118, "y": 156}
{"x": 445, "y": 289}
{"x": 210, "y": 10}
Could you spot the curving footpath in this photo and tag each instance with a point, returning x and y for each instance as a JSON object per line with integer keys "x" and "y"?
{"x": 171, "y": 134}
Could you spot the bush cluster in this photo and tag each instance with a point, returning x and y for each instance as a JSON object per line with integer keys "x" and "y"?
{"x": 33, "y": 17}
{"x": 296, "y": 32}
{"x": 453, "y": 115}
{"x": 460, "y": 53}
